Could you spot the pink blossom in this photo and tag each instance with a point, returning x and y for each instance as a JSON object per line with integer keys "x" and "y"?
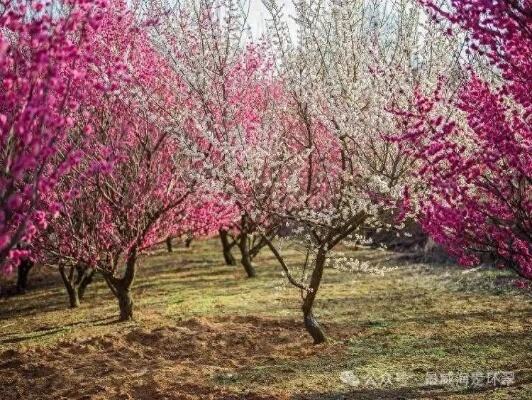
{"x": 478, "y": 196}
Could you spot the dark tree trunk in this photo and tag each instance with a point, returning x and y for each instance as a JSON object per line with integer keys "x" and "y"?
{"x": 313, "y": 327}
{"x": 311, "y": 324}
{"x": 125, "y": 303}
{"x": 257, "y": 247}
{"x": 169, "y": 244}
{"x": 76, "y": 280}
{"x": 22, "y": 275}
{"x": 243, "y": 244}
{"x": 121, "y": 287}
{"x": 70, "y": 286}
{"x": 84, "y": 279}
{"x": 188, "y": 241}
{"x": 226, "y": 247}
{"x": 228, "y": 257}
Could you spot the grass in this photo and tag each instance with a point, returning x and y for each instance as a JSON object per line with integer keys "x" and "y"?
{"x": 203, "y": 330}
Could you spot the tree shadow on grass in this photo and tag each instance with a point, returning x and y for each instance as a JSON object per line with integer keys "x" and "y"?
{"x": 33, "y": 309}
{"x": 47, "y": 331}
{"x": 200, "y": 283}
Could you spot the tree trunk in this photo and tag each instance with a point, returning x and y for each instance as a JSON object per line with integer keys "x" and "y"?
{"x": 244, "y": 252}
{"x": 121, "y": 287}
{"x": 22, "y": 275}
{"x": 73, "y": 297}
{"x": 188, "y": 241}
{"x": 68, "y": 280}
{"x": 311, "y": 324}
{"x": 226, "y": 246}
{"x": 256, "y": 248}
{"x": 169, "y": 244}
{"x": 125, "y": 303}
{"x": 85, "y": 279}
{"x": 313, "y": 327}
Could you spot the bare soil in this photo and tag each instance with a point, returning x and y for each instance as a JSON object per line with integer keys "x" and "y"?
{"x": 204, "y": 331}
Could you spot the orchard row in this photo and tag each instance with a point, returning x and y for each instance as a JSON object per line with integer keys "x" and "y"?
{"x": 123, "y": 124}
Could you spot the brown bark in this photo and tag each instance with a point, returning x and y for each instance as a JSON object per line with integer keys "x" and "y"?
{"x": 70, "y": 285}
{"x": 85, "y": 277}
{"x": 121, "y": 287}
{"x": 311, "y": 324}
{"x": 23, "y": 271}
{"x": 226, "y": 248}
{"x": 243, "y": 245}
{"x": 125, "y": 303}
{"x": 169, "y": 244}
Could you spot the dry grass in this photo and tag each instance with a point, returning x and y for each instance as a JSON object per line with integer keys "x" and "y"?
{"x": 204, "y": 331}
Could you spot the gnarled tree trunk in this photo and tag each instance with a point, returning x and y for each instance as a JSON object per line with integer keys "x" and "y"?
{"x": 76, "y": 285}
{"x": 85, "y": 277}
{"x": 125, "y": 303}
{"x": 311, "y": 324}
{"x": 121, "y": 287}
{"x": 308, "y": 292}
{"x": 70, "y": 286}
{"x": 226, "y": 247}
{"x": 22, "y": 275}
{"x": 243, "y": 245}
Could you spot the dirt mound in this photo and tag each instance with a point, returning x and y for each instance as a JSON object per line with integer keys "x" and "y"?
{"x": 171, "y": 362}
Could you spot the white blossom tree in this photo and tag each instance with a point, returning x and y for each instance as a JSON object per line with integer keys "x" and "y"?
{"x": 295, "y": 130}
{"x": 351, "y": 64}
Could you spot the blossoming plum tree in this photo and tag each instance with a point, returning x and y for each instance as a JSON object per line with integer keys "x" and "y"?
{"x": 230, "y": 79}
{"x": 477, "y": 162}
{"x": 131, "y": 188}
{"x": 351, "y": 61}
{"x": 295, "y": 134}
{"x": 43, "y": 65}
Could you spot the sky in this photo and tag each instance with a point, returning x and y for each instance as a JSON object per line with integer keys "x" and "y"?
{"x": 258, "y": 15}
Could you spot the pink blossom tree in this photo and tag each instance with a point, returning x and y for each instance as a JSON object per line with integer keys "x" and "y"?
{"x": 230, "y": 79}
{"x": 131, "y": 188}
{"x": 44, "y": 60}
{"x": 209, "y": 214}
{"x": 477, "y": 160}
